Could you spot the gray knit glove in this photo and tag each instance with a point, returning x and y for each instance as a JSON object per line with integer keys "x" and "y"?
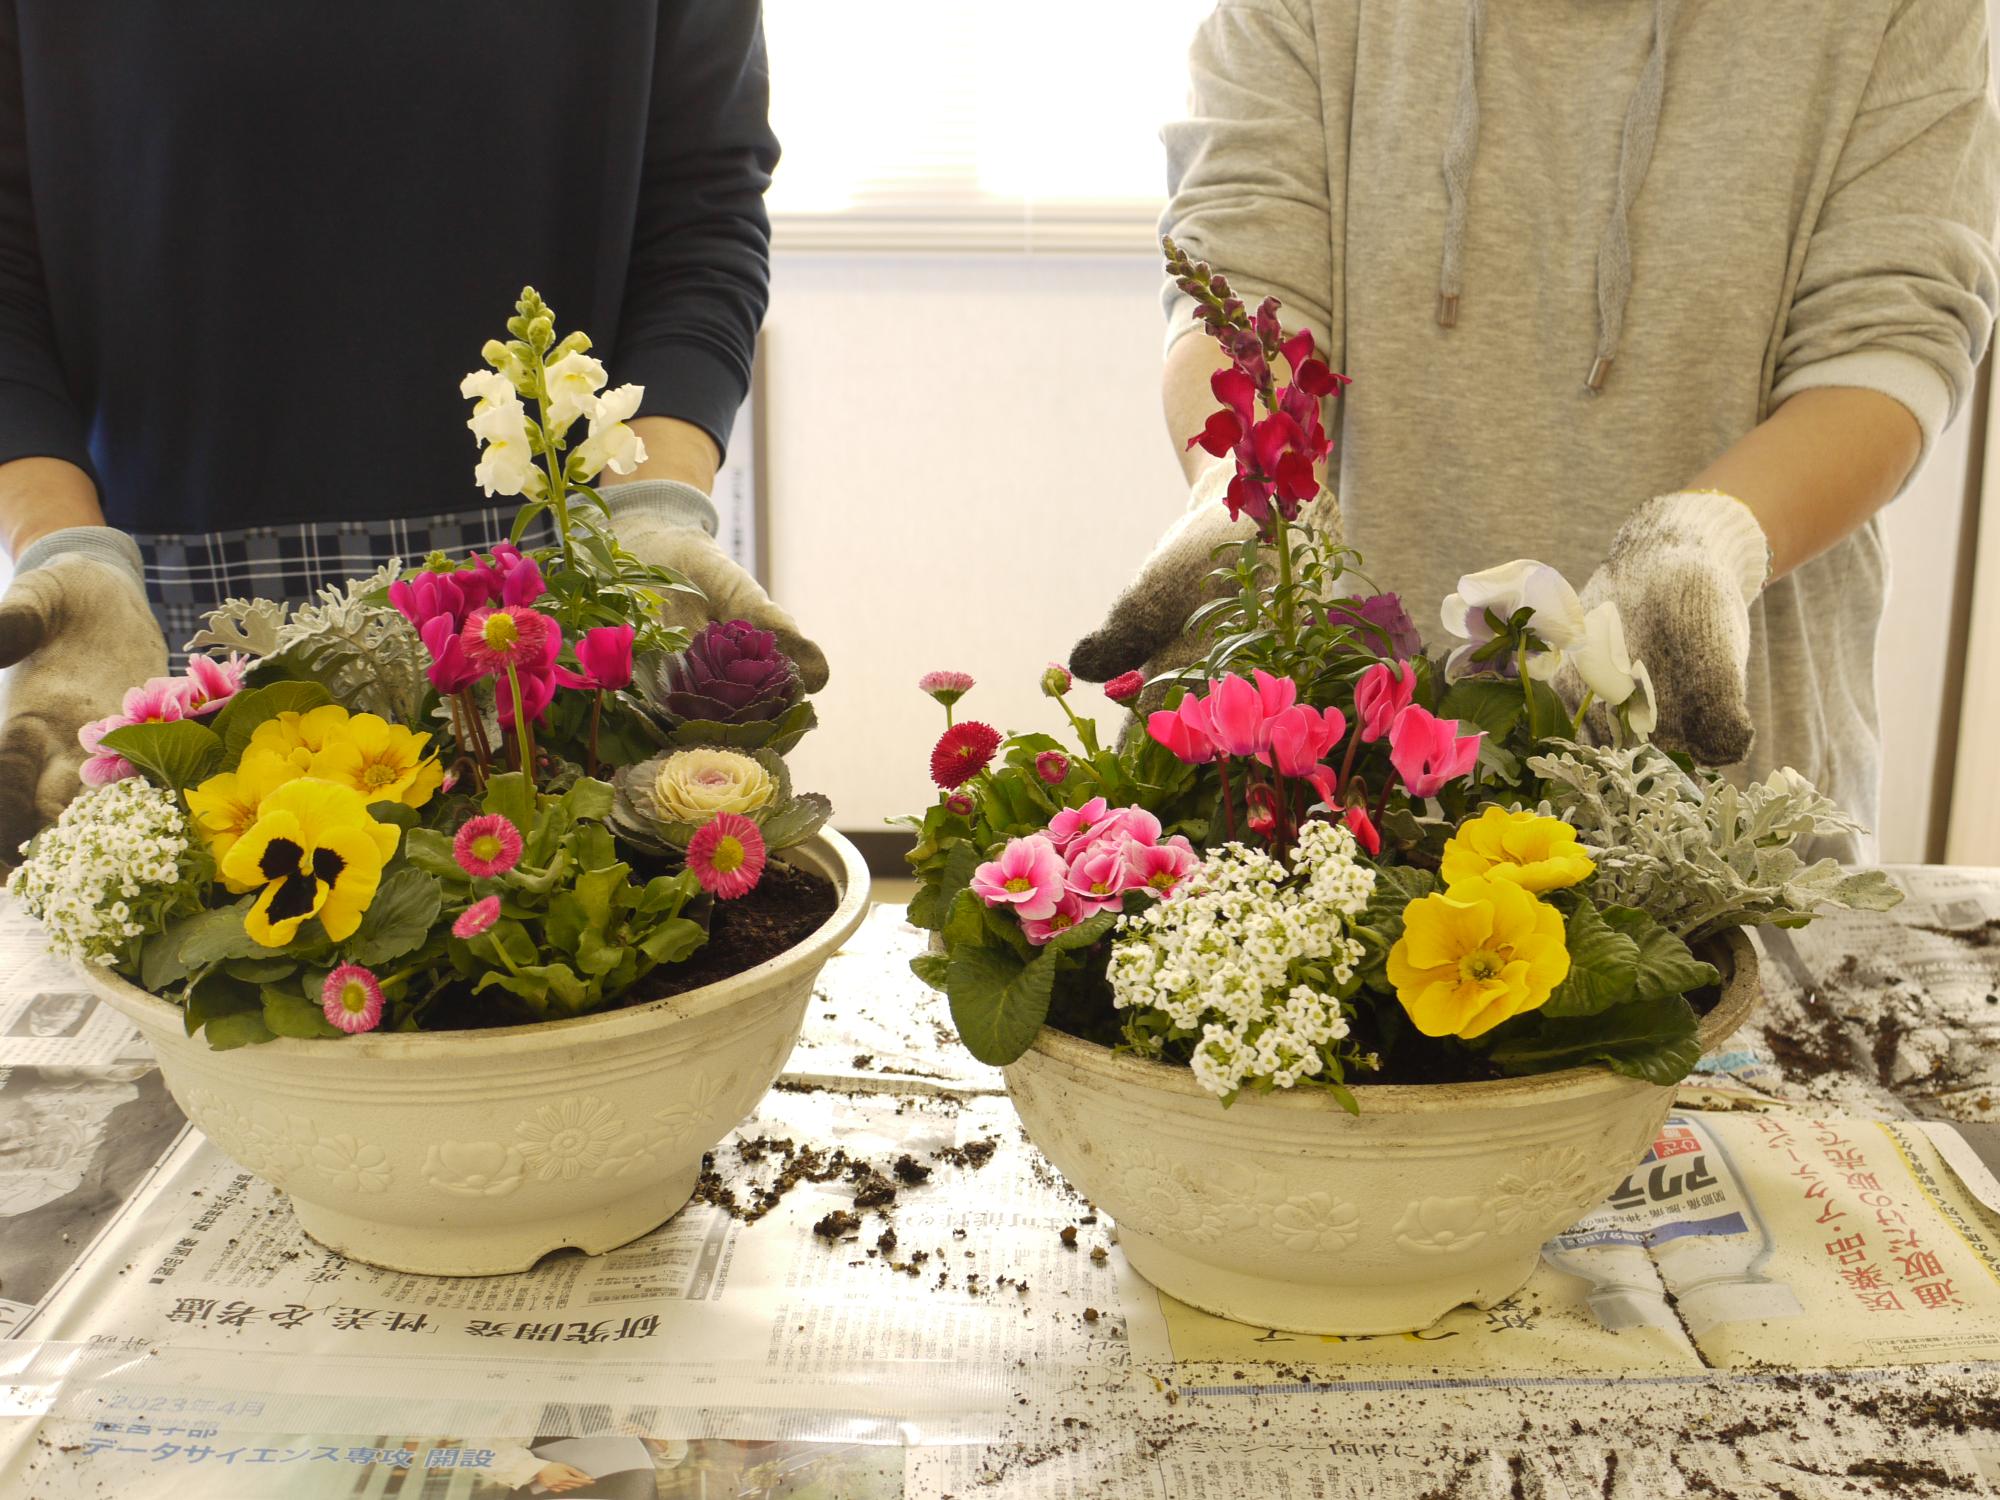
{"x": 1146, "y": 628}
{"x": 76, "y": 632}
{"x": 1683, "y": 571}
{"x": 672, "y": 525}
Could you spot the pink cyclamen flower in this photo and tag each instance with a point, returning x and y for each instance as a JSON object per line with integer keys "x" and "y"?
{"x": 1125, "y": 686}
{"x": 1100, "y": 875}
{"x": 352, "y": 998}
{"x": 1428, "y": 752}
{"x": 430, "y": 596}
{"x": 605, "y": 654}
{"x": 476, "y": 918}
{"x": 1028, "y": 876}
{"x": 1185, "y": 730}
{"x": 1381, "y": 694}
{"x": 210, "y": 683}
{"x": 487, "y": 845}
{"x": 1159, "y": 868}
{"x": 102, "y": 767}
{"x": 946, "y": 687}
{"x": 1074, "y": 823}
{"x": 451, "y": 670}
{"x": 1052, "y": 766}
{"x": 1133, "y": 823}
{"x": 1240, "y": 710}
{"x": 1069, "y": 911}
{"x": 728, "y": 855}
{"x": 1260, "y": 807}
{"x": 510, "y": 636}
{"x": 1364, "y": 830}
{"x": 1299, "y": 738}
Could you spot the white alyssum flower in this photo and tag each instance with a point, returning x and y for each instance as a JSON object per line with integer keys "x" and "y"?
{"x": 1228, "y": 957}
{"x": 612, "y": 444}
{"x": 572, "y": 383}
{"x": 111, "y": 860}
{"x": 1556, "y": 619}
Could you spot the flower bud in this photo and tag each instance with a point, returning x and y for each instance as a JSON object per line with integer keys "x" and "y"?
{"x": 1056, "y": 679}
{"x": 1125, "y": 686}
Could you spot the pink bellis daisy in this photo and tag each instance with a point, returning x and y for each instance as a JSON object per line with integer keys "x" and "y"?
{"x": 476, "y": 918}
{"x": 352, "y": 999}
{"x": 962, "y": 752}
{"x": 946, "y": 687}
{"x": 727, "y": 856}
{"x": 487, "y": 845}
{"x": 511, "y": 636}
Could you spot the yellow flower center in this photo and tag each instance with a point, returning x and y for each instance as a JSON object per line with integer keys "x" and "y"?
{"x": 1019, "y": 884}
{"x": 1481, "y": 965}
{"x": 486, "y": 848}
{"x": 379, "y": 773}
{"x": 500, "y": 632}
{"x": 728, "y": 856}
{"x": 353, "y": 997}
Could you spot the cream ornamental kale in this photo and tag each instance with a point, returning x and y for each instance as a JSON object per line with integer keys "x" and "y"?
{"x": 1701, "y": 858}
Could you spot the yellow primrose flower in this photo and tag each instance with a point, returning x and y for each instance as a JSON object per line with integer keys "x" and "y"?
{"x": 1533, "y": 852}
{"x": 298, "y": 737}
{"x": 384, "y": 762}
{"x": 313, "y": 851}
{"x": 225, "y": 806}
{"x": 1476, "y": 954}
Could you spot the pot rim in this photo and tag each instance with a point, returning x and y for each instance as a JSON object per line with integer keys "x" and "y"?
{"x": 838, "y": 859}
{"x": 1740, "y": 993}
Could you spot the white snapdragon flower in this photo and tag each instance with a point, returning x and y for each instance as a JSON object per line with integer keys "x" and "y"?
{"x": 1606, "y": 666}
{"x": 1217, "y": 959}
{"x": 612, "y": 444}
{"x": 573, "y": 383}
{"x": 1505, "y": 590}
{"x": 507, "y": 461}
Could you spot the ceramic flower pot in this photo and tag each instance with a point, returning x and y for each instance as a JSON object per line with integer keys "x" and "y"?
{"x": 473, "y": 1153}
{"x": 1285, "y": 1212}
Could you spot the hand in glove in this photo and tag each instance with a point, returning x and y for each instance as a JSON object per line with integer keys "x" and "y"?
{"x": 1683, "y": 572}
{"x": 76, "y": 631}
{"x": 672, "y": 525}
{"x": 1146, "y": 628}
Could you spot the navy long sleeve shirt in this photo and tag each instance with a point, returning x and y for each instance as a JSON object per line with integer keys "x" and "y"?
{"x": 247, "y": 250}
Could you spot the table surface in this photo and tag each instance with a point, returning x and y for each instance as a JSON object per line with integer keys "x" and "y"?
{"x": 978, "y": 1331}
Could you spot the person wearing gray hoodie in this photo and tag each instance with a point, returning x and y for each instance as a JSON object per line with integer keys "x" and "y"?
{"x": 1671, "y": 294}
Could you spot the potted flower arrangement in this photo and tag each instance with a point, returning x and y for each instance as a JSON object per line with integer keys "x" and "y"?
{"x": 467, "y": 904}
{"x": 1351, "y": 971}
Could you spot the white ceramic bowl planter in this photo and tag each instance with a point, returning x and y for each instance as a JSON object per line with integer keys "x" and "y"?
{"x": 471, "y": 1153}
{"x": 1283, "y": 1211}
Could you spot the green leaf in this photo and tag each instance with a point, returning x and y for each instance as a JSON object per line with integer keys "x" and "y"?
{"x": 538, "y": 983}
{"x": 287, "y": 1013}
{"x": 930, "y": 968}
{"x": 1654, "y": 1040}
{"x": 509, "y": 795}
{"x": 260, "y": 970}
{"x": 965, "y": 923}
{"x": 244, "y": 1028}
{"x": 665, "y": 895}
{"x": 1494, "y": 705}
{"x": 673, "y": 940}
{"x": 1085, "y": 933}
{"x": 216, "y": 935}
{"x": 174, "y": 755}
{"x": 588, "y": 799}
{"x": 430, "y": 851}
{"x": 798, "y": 820}
{"x": 997, "y": 1003}
{"x": 927, "y": 907}
{"x": 400, "y": 917}
{"x": 241, "y": 715}
{"x": 215, "y": 995}
{"x": 1603, "y": 966}
{"x": 1666, "y": 966}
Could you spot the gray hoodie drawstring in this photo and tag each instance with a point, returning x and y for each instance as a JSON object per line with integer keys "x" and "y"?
{"x": 1635, "y": 155}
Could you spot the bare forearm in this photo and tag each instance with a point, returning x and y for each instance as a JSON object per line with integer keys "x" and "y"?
{"x": 1186, "y": 397}
{"x": 1817, "y": 468}
{"x": 40, "y": 495}
{"x": 674, "y": 450}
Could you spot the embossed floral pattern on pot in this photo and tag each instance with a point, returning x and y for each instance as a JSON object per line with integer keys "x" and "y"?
{"x": 1316, "y": 1222}
{"x": 568, "y": 1139}
{"x": 1441, "y": 1226}
{"x": 473, "y": 1169}
{"x": 1168, "y": 1200}
{"x": 1549, "y": 1184}
{"x": 351, "y": 1164}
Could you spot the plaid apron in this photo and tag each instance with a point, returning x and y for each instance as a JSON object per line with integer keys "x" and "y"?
{"x": 188, "y": 575}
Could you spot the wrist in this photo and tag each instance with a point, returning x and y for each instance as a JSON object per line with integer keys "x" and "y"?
{"x": 102, "y": 544}
{"x": 1718, "y": 524}
{"x": 660, "y": 502}
{"x": 1208, "y": 484}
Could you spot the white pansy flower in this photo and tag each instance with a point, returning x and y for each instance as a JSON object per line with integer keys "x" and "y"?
{"x": 1506, "y": 590}
{"x": 612, "y": 444}
{"x": 573, "y": 383}
{"x": 507, "y": 462}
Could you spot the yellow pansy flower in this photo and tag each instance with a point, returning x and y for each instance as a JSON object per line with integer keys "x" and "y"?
{"x": 384, "y": 762}
{"x": 1476, "y": 954}
{"x": 313, "y": 852}
{"x": 1533, "y": 852}
{"x": 225, "y": 806}
{"x": 298, "y": 737}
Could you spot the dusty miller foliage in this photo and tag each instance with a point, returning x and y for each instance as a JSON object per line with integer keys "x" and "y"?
{"x": 1700, "y": 856}
{"x": 362, "y": 651}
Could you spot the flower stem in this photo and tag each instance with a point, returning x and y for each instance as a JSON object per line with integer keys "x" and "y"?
{"x": 524, "y": 732}
{"x": 551, "y": 459}
{"x": 1228, "y": 806}
{"x": 1528, "y": 689}
{"x": 596, "y": 713}
{"x": 1281, "y": 541}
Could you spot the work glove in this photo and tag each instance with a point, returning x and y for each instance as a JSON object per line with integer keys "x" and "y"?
{"x": 76, "y": 632}
{"x": 1683, "y": 571}
{"x": 672, "y": 525}
{"x": 1146, "y": 629}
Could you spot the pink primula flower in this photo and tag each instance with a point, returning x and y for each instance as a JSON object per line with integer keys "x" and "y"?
{"x": 1099, "y": 876}
{"x": 211, "y": 683}
{"x": 1069, "y": 911}
{"x": 1428, "y": 752}
{"x": 1381, "y": 694}
{"x": 158, "y": 700}
{"x": 1133, "y": 823}
{"x": 1027, "y": 876}
{"x": 1159, "y": 868}
{"x": 1073, "y": 823}
{"x": 101, "y": 767}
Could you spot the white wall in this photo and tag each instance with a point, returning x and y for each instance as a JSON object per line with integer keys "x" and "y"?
{"x": 966, "y": 461}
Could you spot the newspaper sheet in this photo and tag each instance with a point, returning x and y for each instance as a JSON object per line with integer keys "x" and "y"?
{"x": 1783, "y": 1296}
